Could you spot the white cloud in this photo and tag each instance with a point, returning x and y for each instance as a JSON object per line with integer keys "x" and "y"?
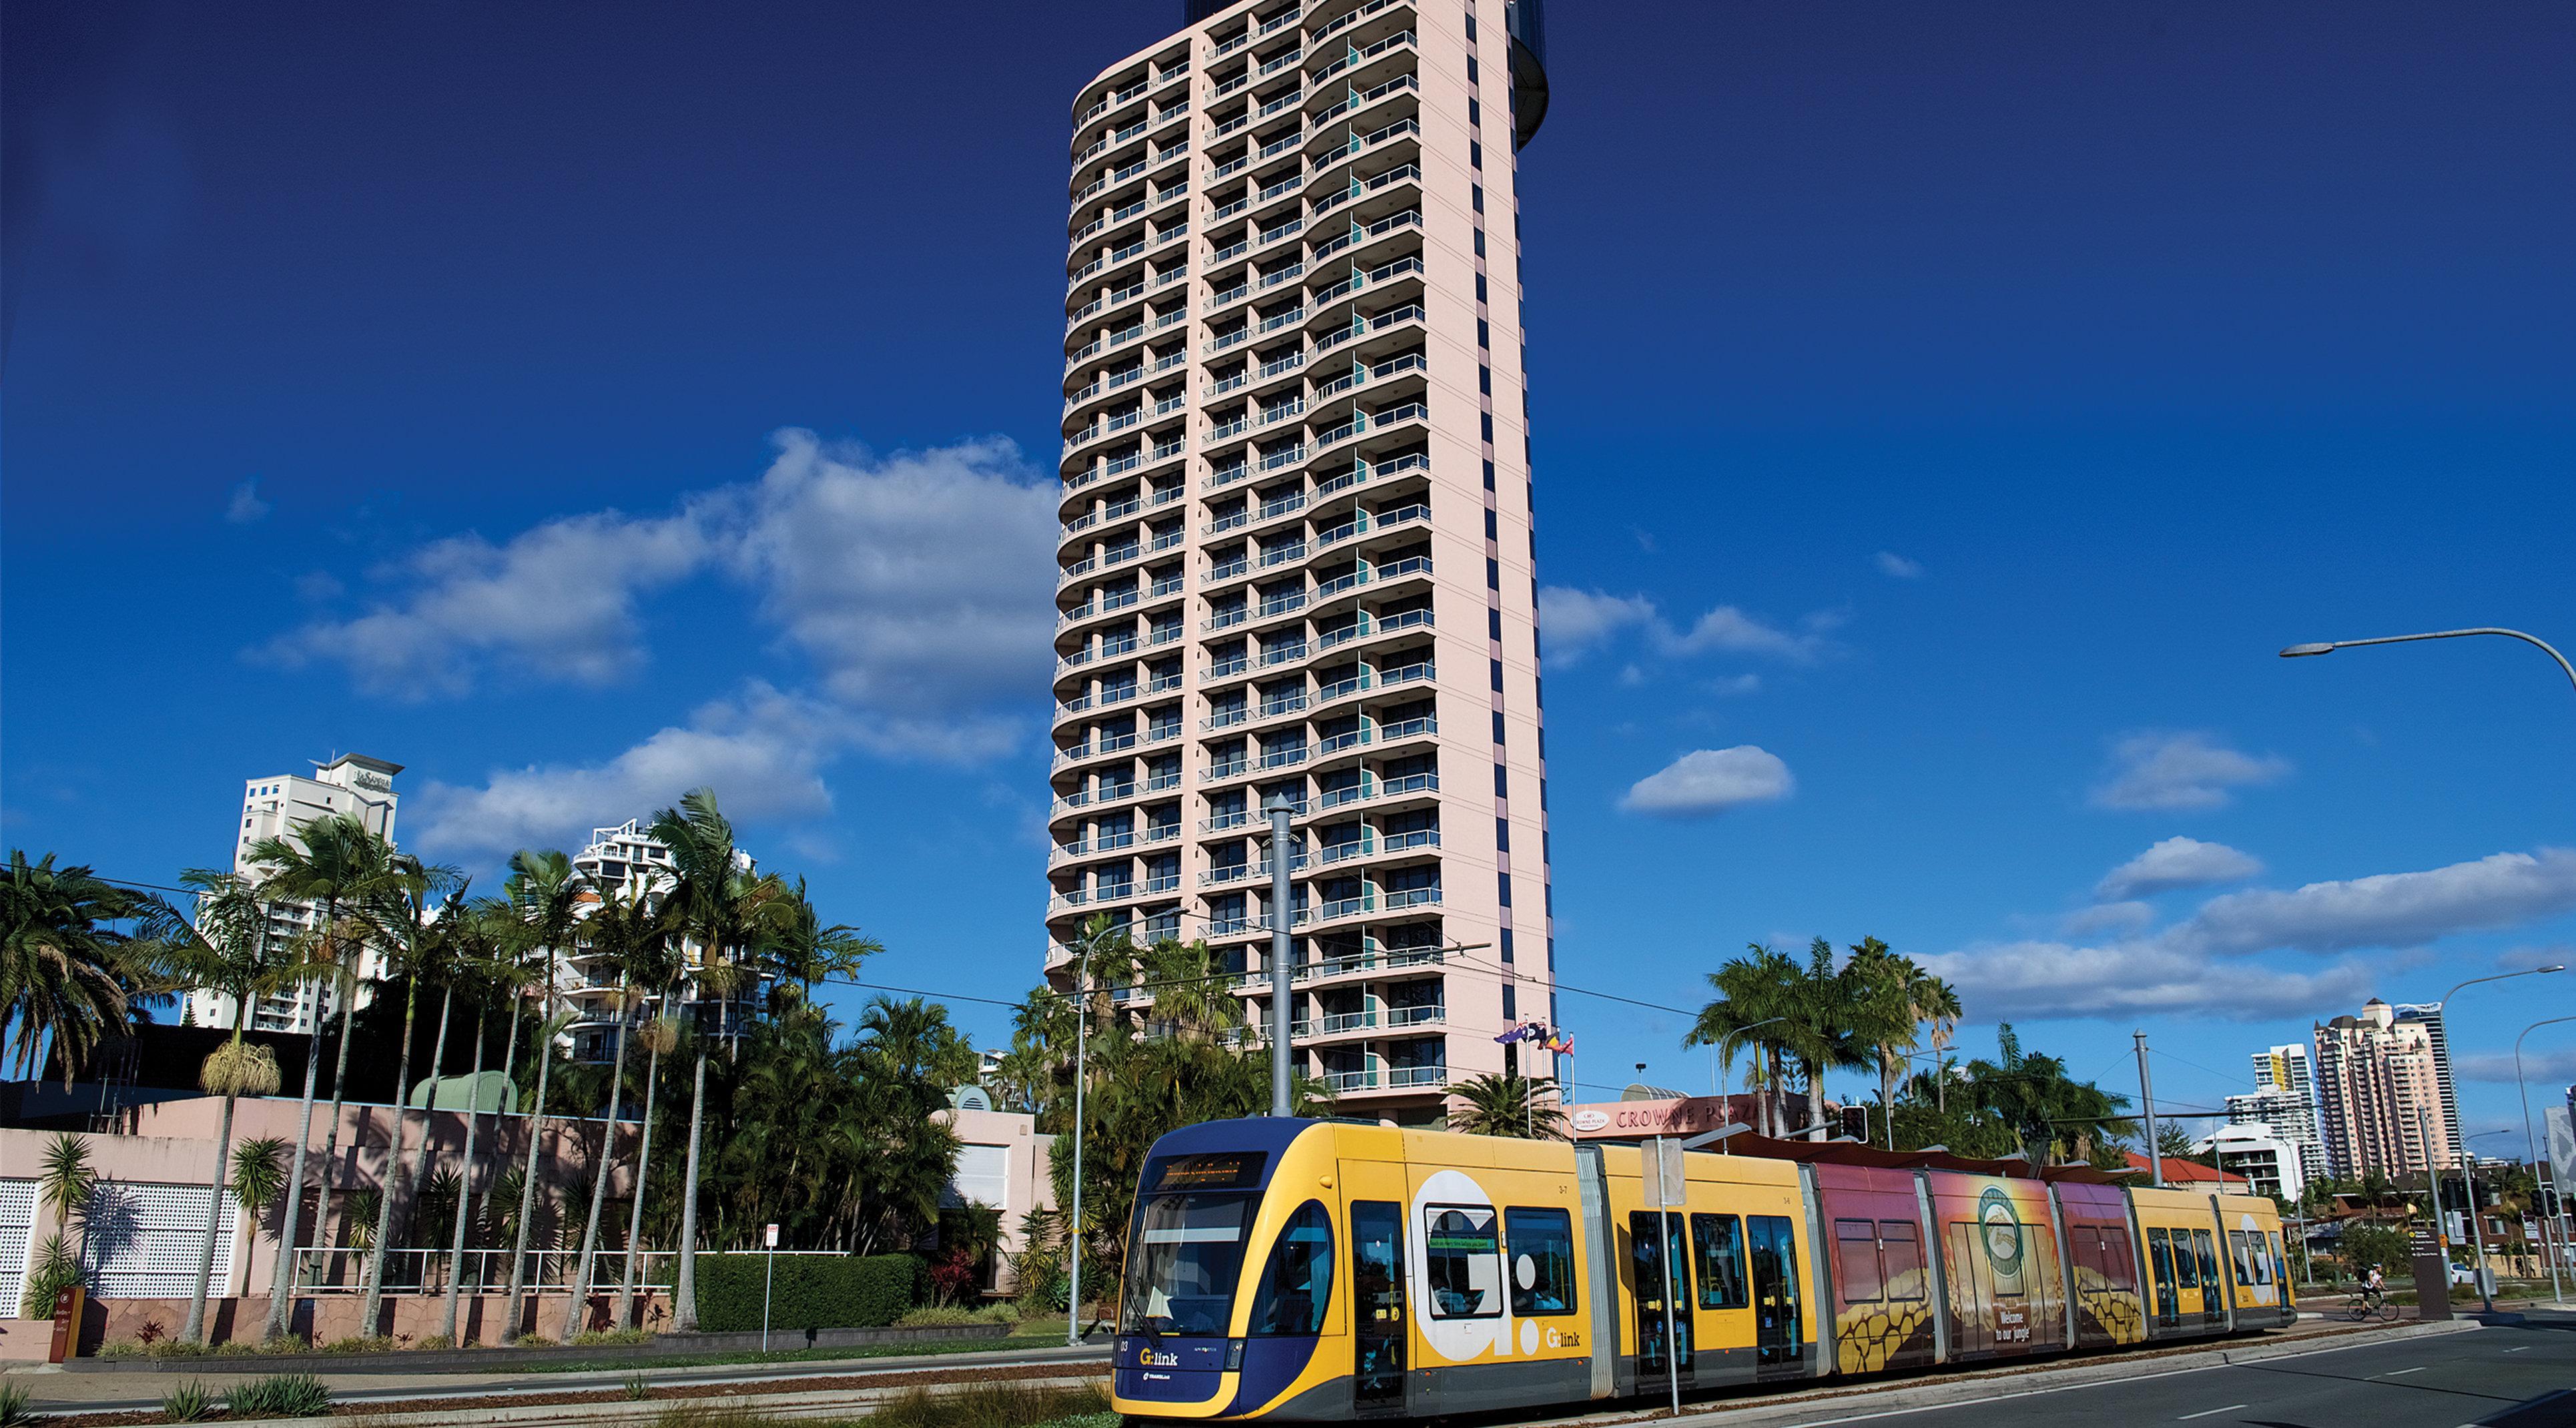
{"x": 2387, "y": 909}
{"x": 2546, "y": 1066}
{"x": 2172, "y": 771}
{"x": 921, "y": 582}
{"x": 1575, "y": 621}
{"x": 1732, "y": 631}
{"x": 1898, "y": 567}
{"x": 761, "y": 752}
{"x": 2037, "y": 978}
{"x": 1710, "y": 781}
{"x": 2176, "y": 863}
{"x": 244, "y": 507}
{"x": 2107, "y": 917}
{"x": 1734, "y": 685}
{"x": 555, "y": 602}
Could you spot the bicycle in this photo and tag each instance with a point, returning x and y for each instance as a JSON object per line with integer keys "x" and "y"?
{"x": 2368, "y": 1303}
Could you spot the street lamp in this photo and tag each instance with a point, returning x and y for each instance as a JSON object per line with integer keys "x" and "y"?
{"x": 2477, "y": 1232}
{"x": 2302, "y": 651}
{"x": 2531, "y": 1143}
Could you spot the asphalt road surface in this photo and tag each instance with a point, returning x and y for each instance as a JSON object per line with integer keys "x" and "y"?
{"x": 2503, "y": 1376}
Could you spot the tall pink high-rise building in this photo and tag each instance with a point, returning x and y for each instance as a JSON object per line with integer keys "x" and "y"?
{"x": 2380, "y": 1094}
{"x": 1297, "y": 550}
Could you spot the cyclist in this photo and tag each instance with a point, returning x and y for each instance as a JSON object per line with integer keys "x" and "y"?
{"x": 2375, "y": 1282}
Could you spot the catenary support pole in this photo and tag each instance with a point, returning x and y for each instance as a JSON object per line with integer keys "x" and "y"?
{"x": 2147, "y": 1104}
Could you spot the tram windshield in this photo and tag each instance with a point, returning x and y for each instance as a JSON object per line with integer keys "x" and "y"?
{"x": 1185, "y": 1251}
{"x": 1183, "y": 1261}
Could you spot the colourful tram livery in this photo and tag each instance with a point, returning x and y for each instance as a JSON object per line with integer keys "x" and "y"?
{"x": 1308, "y": 1270}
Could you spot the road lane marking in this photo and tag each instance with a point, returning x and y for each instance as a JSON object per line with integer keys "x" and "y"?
{"x": 2204, "y": 1413}
{"x": 2400, "y": 1373}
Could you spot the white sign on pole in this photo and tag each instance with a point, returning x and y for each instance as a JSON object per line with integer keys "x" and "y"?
{"x": 2562, "y": 1147}
{"x": 769, "y": 1233}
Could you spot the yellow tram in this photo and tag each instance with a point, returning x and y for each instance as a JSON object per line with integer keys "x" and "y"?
{"x": 1308, "y": 1270}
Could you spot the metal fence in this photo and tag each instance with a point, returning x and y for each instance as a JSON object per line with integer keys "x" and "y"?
{"x": 343, "y": 1270}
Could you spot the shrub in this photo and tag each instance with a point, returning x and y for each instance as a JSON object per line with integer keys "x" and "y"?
{"x": 812, "y": 1292}
{"x": 238, "y": 1349}
{"x": 434, "y": 1342}
{"x": 187, "y": 1403}
{"x": 181, "y": 1349}
{"x": 592, "y": 1338}
{"x": 638, "y": 1388}
{"x": 286, "y": 1395}
{"x": 13, "y": 1406}
{"x": 942, "y": 1316}
{"x": 123, "y": 1349}
{"x": 1004, "y": 1404}
{"x": 360, "y": 1344}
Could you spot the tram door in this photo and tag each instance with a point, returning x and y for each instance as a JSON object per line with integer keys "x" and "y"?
{"x": 1646, "y": 1229}
{"x": 1778, "y": 1332}
{"x": 1377, "y": 1308}
{"x": 2161, "y": 1262}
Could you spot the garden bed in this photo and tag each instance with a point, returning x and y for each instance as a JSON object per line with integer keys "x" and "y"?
{"x": 660, "y": 1346}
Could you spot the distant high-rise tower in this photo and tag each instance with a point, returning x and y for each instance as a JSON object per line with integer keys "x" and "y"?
{"x": 2285, "y": 1099}
{"x": 2428, "y": 1015}
{"x": 1297, "y": 550}
{"x": 275, "y": 807}
{"x": 2380, "y": 1094}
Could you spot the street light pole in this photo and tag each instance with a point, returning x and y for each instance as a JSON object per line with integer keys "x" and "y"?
{"x": 2329, "y": 647}
{"x": 2531, "y": 1144}
{"x": 1073, "y": 1226}
{"x": 1279, "y": 806}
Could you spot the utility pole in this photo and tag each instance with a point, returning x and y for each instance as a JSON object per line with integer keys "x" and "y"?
{"x": 1279, "y": 806}
{"x": 2147, "y": 1103}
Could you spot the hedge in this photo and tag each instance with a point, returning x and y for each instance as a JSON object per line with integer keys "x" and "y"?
{"x": 812, "y": 1291}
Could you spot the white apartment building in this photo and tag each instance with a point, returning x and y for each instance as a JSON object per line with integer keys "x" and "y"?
{"x": 1297, "y": 543}
{"x": 2379, "y": 1094}
{"x": 274, "y": 807}
{"x": 2273, "y": 1162}
{"x": 2428, "y": 1015}
{"x": 2285, "y": 1100}
{"x": 624, "y": 862}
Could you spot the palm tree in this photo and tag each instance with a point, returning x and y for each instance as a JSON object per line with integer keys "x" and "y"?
{"x": 806, "y": 952}
{"x": 405, "y": 924}
{"x": 67, "y": 1183}
{"x": 332, "y": 861}
{"x": 1497, "y": 1104}
{"x": 660, "y": 1035}
{"x": 1752, "y": 1009}
{"x": 549, "y": 895}
{"x": 630, "y": 932}
{"x": 1821, "y": 1030}
{"x": 1886, "y": 997}
{"x": 226, "y": 950}
{"x": 731, "y": 913}
{"x": 483, "y": 963}
{"x": 65, "y": 977}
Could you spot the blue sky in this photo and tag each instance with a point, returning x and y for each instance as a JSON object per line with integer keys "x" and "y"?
{"x": 1957, "y": 405}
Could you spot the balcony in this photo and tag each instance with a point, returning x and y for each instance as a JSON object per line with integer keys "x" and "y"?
{"x": 1357, "y": 57}
{"x": 1410, "y": 218}
{"x": 1403, "y": 1077}
{"x": 1282, "y": 555}
{"x": 1346, "y": 1081}
{"x": 1353, "y": 18}
{"x": 1285, "y": 456}
{"x": 1279, "y": 62}
{"x": 1400, "y": 84}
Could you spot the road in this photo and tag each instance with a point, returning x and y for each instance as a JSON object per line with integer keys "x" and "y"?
{"x": 2503, "y": 1376}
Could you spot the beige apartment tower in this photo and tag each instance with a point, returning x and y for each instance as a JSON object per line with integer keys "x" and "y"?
{"x": 1297, "y": 549}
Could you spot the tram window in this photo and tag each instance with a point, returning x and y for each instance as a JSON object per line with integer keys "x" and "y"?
{"x": 1462, "y": 1262}
{"x": 1900, "y": 1247}
{"x": 2118, "y": 1265}
{"x": 1298, "y": 1282}
{"x": 2236, "y": 1255}
{"x": 2186, "y": 1273}
{"x": 1719, "y": 1242}
{"x": 1856, "y": 1260}
{"x": 2206, "y": 1251}
{"x": 2280, "y": 1262}
{"x": 1542, "y": 1249}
